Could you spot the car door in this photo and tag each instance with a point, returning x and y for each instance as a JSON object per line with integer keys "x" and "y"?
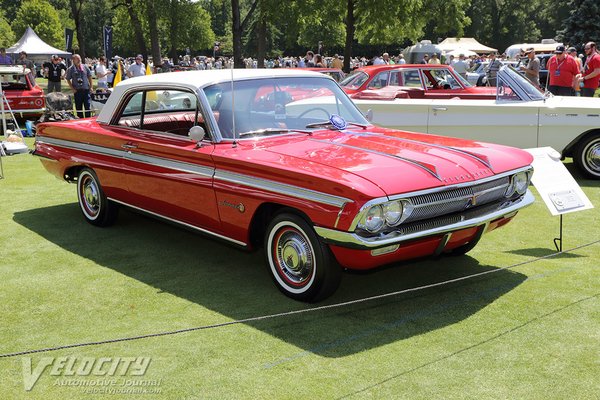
{"x": 168, "y": 174}
{"x": 405, "y": 114}
{"x": 511, "y": 123}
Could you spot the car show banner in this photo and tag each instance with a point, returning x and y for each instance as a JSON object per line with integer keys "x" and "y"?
{"x": 107, "y": 36}
{"x": 69, "y": 40}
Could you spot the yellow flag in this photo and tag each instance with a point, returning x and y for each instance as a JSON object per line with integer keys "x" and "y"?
{"x": 148, "y": 69}
{"x": 118, "y": 76}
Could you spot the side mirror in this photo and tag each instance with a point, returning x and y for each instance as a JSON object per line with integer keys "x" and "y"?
{"x": 196, "y": 134}
{"x": 369, "y": 115}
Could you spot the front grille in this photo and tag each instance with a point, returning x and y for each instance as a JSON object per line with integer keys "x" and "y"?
{"x": 455, "y": 200}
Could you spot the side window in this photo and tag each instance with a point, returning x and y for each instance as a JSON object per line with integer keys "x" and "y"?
{"x": 411, "y": 78}
{"x": 167, "y": 111}
{"x": 380, "y": 80}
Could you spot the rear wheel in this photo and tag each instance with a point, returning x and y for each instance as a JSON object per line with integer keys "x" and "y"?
{"x": 587, "y": 156}
{"x": 96, "y": 208}
{"x": 302, "y": 267}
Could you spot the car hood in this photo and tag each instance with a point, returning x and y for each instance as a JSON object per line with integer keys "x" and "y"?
{"x": 397, "y": 161}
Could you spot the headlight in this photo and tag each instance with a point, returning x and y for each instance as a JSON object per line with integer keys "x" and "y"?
{"x": 392, "y": 212}
{"x": 518, "y": 183}
{"x": 374, "y": 219}
{"x": 521, "y": 181}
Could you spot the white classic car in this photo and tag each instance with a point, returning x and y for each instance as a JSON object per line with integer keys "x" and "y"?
{"x": 520, "y": 116}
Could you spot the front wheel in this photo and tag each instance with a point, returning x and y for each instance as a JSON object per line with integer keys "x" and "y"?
{"x": 301, "y": 266}
{"x": 587, "y": 156}
{"x": 96, "y": 208}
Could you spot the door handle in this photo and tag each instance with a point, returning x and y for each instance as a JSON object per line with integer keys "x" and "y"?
{"x": 129, "y": 146}
{"x": 440, "y": 109}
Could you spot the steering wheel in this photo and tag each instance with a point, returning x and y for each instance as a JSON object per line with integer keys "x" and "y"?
{"x": 319, "y": 109}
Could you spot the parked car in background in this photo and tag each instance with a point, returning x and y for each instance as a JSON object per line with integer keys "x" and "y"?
{"x": 335, "y": 73}
{"x": 282, "y": 159}
{"x": 478, "y": 76}
{"x": 520, "y": 116}
{"x": 415, "y": 81}
{"x": 24, "y": 96}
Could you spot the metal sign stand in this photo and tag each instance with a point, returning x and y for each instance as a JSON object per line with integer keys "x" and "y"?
{"x": 558, "y": 242}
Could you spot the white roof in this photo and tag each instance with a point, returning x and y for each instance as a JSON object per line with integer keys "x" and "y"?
{"x": 450, "y": 44}
{"x": 195, "y": 80}
{"x": 31, "y": 43}
{"x": 13, "y": 69}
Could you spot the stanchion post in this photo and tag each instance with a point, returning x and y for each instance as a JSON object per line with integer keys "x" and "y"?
{"x": 558, "y": 242}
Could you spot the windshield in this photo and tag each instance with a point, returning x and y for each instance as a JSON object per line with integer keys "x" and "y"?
{"x": 355, "y": 80}
{"x": 278, "y": 105}
{"x": 511, "y": 81}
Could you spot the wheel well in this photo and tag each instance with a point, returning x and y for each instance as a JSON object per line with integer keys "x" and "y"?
{"x": 568, "y": 151}
{"x": 72, "y": 173}
{"x": 263, "y": 215}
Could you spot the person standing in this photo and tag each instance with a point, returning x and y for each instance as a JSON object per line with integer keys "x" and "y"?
{"x": 102, "y": 73}
{"x": 562, "y": 72}
{"x": 137, "y": 68}
{"x": 591, "y": 70}
{"x": 27, "y": 64}
{"x": 532, "y": 70}
{"x": 79, "y": 78}
{"x": 434, "y": 59}
{"x": 54, "y": 72}
{"x": 4, "y": 58}
{"x": 492, "y": 69}
{"x": 460, "y": 66}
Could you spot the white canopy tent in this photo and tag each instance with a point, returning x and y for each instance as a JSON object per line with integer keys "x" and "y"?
{"x": 36, "y": 48}
{"x": 450, "y": 44}
{"x": 459, "y": 50}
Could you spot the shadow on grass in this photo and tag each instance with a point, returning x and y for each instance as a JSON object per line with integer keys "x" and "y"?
{"x": 237, "y": 285}
{"x": 582, "y": 180}
{"x": 542, "y": 252}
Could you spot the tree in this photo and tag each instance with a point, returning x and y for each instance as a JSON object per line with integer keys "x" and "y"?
{"x": 583, "y": 23}
{"x": 238, "y": 28}
{"x": 7, "y": 36}
{"x": 42, "y": 18}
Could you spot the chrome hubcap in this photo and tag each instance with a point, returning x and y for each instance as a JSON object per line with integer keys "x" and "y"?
{"x": 90, "y": 196}
{"x": 592, "y": 157}
{"x": 294, "y": 256}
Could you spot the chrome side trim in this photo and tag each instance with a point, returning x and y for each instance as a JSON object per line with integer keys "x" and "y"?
{"x": 283, "y": 188}
{"x": 352, "y": 240}
{"x": 174, "y": 165}
{"x": 80, "y": 146}
{"x": 150, "y": 160}
{"x": 421, "y": 165}
{"x": 182, "y": 223}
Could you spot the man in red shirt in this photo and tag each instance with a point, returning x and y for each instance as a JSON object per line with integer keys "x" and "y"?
{"x": 591, "y": 70}
{"x": 562, "y": 72}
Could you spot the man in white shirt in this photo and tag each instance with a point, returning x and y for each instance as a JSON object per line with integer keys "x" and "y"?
{"x": 461, "y": 66}
{"x": 137, "y": 68}
{"x": 102, "y": 73}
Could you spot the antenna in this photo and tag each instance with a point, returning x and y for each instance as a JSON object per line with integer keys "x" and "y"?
{"x": 233, "y": 109}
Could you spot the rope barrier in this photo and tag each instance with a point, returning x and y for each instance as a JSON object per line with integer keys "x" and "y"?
{"x": 296, "y": 312}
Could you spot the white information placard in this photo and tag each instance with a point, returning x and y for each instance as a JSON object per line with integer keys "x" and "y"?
{"x": 556, "y": 185}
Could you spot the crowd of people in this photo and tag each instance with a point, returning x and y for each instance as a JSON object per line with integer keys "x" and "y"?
{"x": 568, "y": 73}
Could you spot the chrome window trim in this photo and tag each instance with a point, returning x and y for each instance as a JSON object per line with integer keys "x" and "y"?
{"x": 206, "y": 231}
{"x": 352, "y": 240}
{"x": 282, "y": 188}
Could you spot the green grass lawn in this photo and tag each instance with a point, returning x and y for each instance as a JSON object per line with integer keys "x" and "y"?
{"x": 530, "y": 332}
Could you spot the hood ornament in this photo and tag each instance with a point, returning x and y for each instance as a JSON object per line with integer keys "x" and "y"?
{"x": 338, "y": 122}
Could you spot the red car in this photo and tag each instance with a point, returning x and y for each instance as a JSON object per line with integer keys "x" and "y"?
{"x": 417, "y": 81}
{"x": 24, "y": 96}
{"x": 249, "y": 157}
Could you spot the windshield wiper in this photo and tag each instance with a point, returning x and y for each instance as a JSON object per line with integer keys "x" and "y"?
{"x": 328, "y": 123}
{"x": 272, "y": 131}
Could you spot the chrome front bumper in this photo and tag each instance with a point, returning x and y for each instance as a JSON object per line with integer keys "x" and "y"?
{"x": 468, "y": 219}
